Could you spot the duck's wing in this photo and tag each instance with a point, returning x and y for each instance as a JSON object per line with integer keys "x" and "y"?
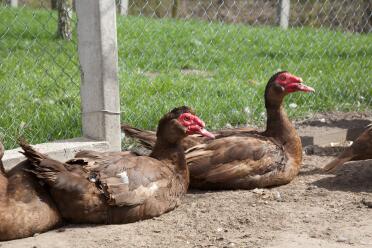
{"x": 148, "y": 138}
{"x": 360, "y": 149}
{"x": 145, "y": 137}
{"x": 229, "y": 132}
{"x": 125, "y": 178}
{"x": 233, "y": 158}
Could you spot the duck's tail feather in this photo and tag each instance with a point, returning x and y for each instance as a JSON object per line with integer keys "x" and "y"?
{"x": 51, "y": 171}
{"x": 146, "y": 138}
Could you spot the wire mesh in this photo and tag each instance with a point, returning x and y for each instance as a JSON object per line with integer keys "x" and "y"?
{"x": 214, "y": 55}
{"x": 39, "y": 76}
{"x": 217, "y": 55}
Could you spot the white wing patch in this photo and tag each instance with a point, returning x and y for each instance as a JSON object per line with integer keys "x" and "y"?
{"x": 124, "y": 177}
{"x": 153, "y": 187}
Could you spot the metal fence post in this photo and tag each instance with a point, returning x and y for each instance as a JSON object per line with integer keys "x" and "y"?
{"x": 283, "y": 13}
{"x": 123, "y": 7}
{"x": 97, "y": 46}
{"x": 13, "y": 3}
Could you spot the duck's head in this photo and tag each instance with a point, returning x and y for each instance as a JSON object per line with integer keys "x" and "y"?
{"x": 179, "y": 123}
{"x": 281, "y": 84}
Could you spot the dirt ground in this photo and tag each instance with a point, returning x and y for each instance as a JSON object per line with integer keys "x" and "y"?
{"x": 314, "y": 210}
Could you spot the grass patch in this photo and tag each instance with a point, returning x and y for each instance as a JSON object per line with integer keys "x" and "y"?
{"x": 39, "y": 75}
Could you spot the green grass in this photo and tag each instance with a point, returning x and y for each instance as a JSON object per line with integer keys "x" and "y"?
{"x": 39, "y": 76}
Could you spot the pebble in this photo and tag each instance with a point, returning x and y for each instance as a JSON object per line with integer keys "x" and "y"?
{"x": 258, "y": 191}
{"x": 232, "y": 244}
{"x": 368, "y": 202}
{"x": 341, "y": 239}
{"x": 277, "y": 196}
{"x": 311, "y": 187}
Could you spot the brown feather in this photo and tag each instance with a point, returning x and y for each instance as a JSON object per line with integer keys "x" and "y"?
{"x": 25, "y": 206}
{"x": 118, "y": 187}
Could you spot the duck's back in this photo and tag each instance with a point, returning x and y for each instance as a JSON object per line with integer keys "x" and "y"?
{"x": 117, "y": 188}
{"x": 237, "y": 163}
{"x": 28, "y": 208}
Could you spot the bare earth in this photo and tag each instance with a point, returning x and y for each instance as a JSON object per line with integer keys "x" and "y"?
{"x": 314, "y": 210}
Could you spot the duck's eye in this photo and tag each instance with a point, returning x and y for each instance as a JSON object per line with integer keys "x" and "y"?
{"x": 282, "y": 78}
{"x": 186, "y": 118}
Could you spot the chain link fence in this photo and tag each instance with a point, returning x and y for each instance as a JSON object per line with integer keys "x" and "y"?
{"x": 39, "y": 75}
{"x": 217, "y": 56}
{"x": 214, "y": 55}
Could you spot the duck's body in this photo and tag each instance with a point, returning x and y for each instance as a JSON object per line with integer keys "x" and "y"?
{"x": 25, "y": 206}
{"x": 119, "y": 187}
{"x": 361, "y": 149}
{"x": 246, "y": 158}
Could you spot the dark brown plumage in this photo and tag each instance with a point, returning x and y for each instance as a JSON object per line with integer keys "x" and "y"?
{"x": 148, "y": 138}
{"x": 253, "y": 159}
{"x": 25, "y": 206}
{"x": 361, "y": 149}
{"x": 246, "y": 158}
{"x": 121, "y": 187}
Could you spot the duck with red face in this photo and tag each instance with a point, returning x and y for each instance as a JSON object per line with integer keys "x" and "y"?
{"x": 122, "y": 187}
{"x": 253, "y": 159}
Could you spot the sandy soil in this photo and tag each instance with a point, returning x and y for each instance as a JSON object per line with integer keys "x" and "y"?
{"x": 314, "y": 210}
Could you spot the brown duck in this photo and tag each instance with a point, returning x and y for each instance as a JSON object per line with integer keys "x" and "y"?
{"x": 246, "y": 158}
{"x": 122, "y": 187}
{"x": 361, "y": 149}
{"x": 25, "y": 206}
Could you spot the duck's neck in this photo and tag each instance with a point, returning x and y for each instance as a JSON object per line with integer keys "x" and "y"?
{"x": 280, "y": 128}
{"x": 172, "y": 153}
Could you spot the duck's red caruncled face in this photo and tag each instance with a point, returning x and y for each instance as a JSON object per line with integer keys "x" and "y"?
{"x": 291, "y": 83}
{"x": 194, "y": 125}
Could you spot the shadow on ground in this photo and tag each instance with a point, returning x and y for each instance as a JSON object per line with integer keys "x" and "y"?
{"x": 350, "y": 177}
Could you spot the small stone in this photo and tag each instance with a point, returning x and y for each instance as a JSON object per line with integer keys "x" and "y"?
{"x": 309, "y": 150}
{"x": 341, "y": 239}
{"x": 156, "y": 231}
{"x": 312, "y": 187}
{"x": 258, "y": 191}
{"x": 367, "y": 202}
{"x": 277, "y": 196}
{"x": 232, "y": 244}
{"x": 36, "y": 234}
{"x": 219, "y": 229}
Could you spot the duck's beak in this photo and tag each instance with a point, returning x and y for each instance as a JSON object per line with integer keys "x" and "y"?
{"x": 304, "y": 88}
{"x": 206, "y": 133}
{"x": 294, "y": 87}
{"x": 198, "y": 129}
